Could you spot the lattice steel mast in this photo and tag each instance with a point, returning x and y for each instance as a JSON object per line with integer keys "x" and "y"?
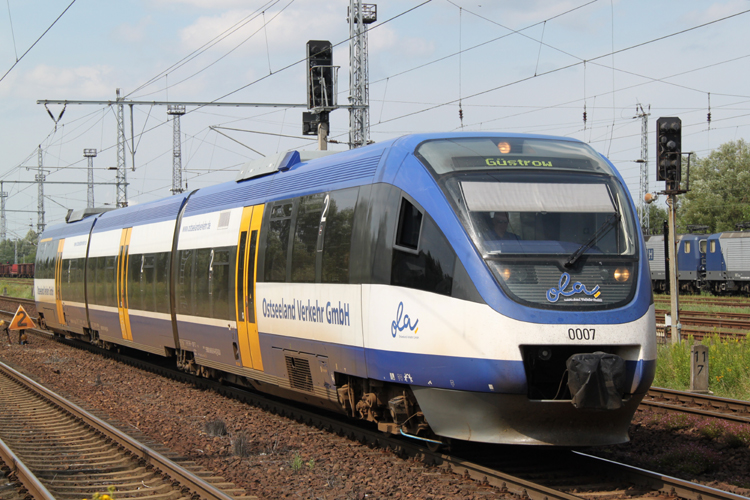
{"x": 90, "y": 154}
{"x": 642, "y": 207}
{"x": 39, "y": 178}
{"x": 360, "y": 15}
{"x": 122, "y": 175}
{"x": 176, "y": 111}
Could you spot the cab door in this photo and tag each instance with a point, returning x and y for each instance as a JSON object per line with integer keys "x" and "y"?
{"x": 122, "y": 283}
{"x": 58, "y": 282}
{"x": 247, "y": 257}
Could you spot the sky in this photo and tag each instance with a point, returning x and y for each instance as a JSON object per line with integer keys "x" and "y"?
{"x": 530, "y": 67}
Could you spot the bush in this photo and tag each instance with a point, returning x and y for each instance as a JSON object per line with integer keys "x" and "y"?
{"x": 728, "y": 365}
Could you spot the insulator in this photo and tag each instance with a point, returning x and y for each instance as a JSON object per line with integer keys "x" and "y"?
{"x": 709, "y": 118}
{"x": 584, "y": 117}
{"x": 460, "y": 113}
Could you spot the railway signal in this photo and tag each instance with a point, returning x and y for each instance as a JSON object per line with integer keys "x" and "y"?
{"x": 320, "y": 91}
{"x": 668, "y": 169}
{"x": 668, "y": 151}
{"x": 22, "y": 320}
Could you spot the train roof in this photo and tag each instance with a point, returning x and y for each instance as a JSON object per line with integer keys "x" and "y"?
{"x": 270, "y": 179}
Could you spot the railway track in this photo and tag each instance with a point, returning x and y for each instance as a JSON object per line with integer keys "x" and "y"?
{"x": 533, "y": 473}
{"x": 697, "y": 299}
{"x": 55, "y": 449}
{"x": 661, "y": 400}
{"x": 703, "y": 324}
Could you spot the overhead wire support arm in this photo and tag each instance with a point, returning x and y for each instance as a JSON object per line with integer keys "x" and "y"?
{"x": 190, "y": 103}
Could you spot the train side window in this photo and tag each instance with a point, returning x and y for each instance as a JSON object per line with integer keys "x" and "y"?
{"x": 713, "y": 246}
{"x": 148, "y": 282}
{"x": 305, "y": 241}
{"x": 431, "y": 268}
{"x": 184, "y": 282}
{"x": 91, "y": 284}
{"x": 222, "y": 291}
{"x": 135, "y": 295}
{"x": 277, "y": 242}
{"x": 702, "y": 246}
{"x": 81, "y": 296}
{"x": 110, "y": 284}
{"x": 409, "y": 226}
{"x": 337, "y": 238}
{"x": 161, "y": 288}
{"x": 687, "y": 247}
{"x": 201, "y": 286}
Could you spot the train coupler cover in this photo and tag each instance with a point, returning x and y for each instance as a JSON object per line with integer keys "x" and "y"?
{"x": 596, "y": 380}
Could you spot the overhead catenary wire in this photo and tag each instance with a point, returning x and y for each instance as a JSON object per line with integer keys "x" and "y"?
{"x": 218, "y": 38}
{"x": 568, "y": 66}
{"x": 18, "y": 59}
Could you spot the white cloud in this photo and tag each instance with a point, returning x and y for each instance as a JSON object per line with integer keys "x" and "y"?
{"x": 714, "y": 11}
{"x": 133, "y": 33}
{"x": 49, "y": 82}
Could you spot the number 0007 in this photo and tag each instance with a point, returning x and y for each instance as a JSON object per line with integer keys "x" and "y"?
{"x": 582, "y": 333}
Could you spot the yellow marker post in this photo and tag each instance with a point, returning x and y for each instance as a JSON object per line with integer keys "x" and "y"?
{"x": 21, "y": 320}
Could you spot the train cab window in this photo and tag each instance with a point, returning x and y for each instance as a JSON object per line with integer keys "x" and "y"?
{"x": 702, "y": 246}
{"x": 309, "y": 220}
{"x": 713, "y": 246}
{"x": 277, "y": 242}
{"x": 337, "y": 240}
{"x": 687, "y": 247}
{"x": 422, "y": 257}
{"x": 409, "y": 224}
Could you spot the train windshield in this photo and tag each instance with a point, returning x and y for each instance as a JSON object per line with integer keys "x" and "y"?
{"x": 540, "y": 209}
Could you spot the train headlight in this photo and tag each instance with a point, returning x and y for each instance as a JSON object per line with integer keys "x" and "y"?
{"x": 622, "y": 274}
{"x": 503, "y": 147}
{"x": 505, "y": 273}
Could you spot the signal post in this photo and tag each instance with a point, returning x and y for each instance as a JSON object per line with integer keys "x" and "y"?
{"x": 669, "y": 169}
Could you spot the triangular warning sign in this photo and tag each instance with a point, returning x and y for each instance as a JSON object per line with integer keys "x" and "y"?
{"x": 21, "y": 320}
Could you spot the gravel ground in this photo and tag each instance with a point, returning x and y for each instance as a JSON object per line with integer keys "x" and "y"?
{"x": 286, "y": 459}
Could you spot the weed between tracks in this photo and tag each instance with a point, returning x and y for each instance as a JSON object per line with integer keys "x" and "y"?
{"x": 13, "y": 287}
{"x": 728, "y": 364}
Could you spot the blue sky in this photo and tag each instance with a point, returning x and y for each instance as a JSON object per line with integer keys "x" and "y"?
{"x": 95, "y": 48}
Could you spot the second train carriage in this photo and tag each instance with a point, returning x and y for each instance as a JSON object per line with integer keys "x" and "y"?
{"x": 475, "y": 286}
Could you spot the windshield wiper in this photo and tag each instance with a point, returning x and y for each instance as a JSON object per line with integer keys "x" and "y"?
{"x": 603, "y": 229}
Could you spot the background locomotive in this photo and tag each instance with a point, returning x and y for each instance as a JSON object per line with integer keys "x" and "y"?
{"x": 718, "y": 263}
{"x": 478, "y": 286}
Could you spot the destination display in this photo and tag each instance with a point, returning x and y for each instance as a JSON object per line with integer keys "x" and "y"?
{"x": 477, "y": 162}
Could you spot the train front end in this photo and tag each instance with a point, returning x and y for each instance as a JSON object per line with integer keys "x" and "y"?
{"x": 566, "y": 349}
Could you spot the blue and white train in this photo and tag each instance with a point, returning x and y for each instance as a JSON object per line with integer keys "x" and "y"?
{"x": 476, "y": 286}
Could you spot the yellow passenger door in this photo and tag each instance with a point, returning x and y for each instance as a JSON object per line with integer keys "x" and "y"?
{"x": 58, "y": 282}
{"x": 122, "y": 283}
{"x": 247, "y": 257}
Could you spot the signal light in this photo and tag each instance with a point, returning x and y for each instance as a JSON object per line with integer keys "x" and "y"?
{"x": 320, "y": 91}
{"x": 668, "y": 151}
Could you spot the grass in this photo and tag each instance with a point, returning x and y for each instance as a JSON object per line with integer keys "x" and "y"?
{"x": 12, "y": 288}
{"x": 728, "y": 365}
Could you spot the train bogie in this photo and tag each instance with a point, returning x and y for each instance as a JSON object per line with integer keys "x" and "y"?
{"x": 440, "y": 286}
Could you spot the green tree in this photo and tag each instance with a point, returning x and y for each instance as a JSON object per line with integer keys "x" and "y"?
{"x": 657, "y": 214}
{"x": 25, "y": 246}
{"x": 718, "y": 195}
